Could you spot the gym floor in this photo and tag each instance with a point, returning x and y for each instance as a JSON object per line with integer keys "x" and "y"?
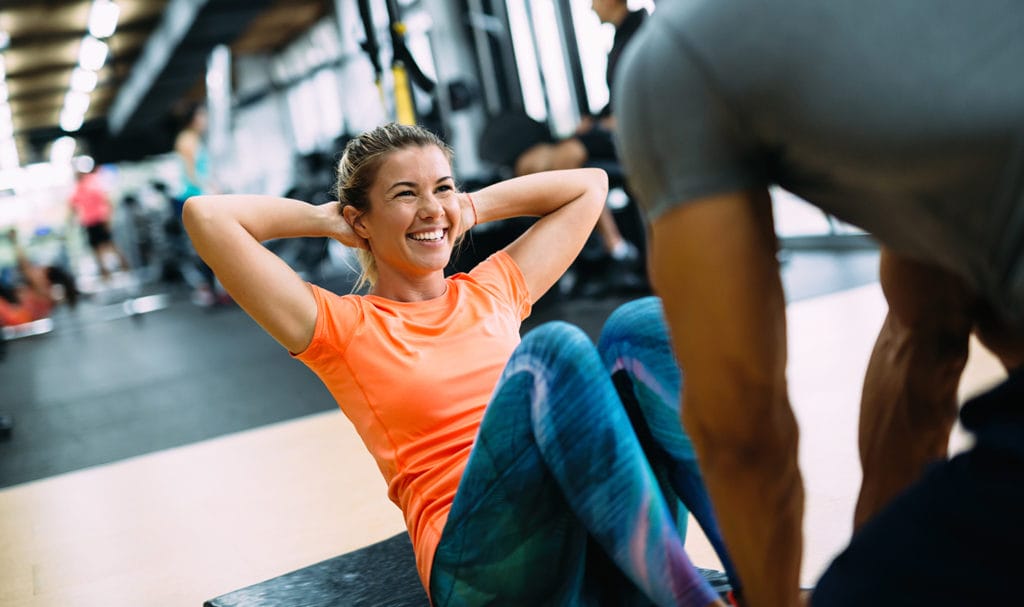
{"x": 169, "y": 457}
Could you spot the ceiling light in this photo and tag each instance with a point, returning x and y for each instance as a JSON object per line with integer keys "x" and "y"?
{"x": 92, "y": 54}
{"x": 9, "y": 154}
{"x": 83, "y": 164}
{"x": 76, "y": 102}
{"x": 62, "y": 150}
{"x": 103, "y": 18}
{"x": 70, "y": 122}
{"x": 83, "y": 80}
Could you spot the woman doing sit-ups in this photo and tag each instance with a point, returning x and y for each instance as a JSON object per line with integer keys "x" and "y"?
{"x": 516, "y": 466}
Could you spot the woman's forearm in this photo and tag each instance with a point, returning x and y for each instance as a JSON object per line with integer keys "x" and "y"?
{"x": 539, "y": 194}
{"x": 264, "y": 217}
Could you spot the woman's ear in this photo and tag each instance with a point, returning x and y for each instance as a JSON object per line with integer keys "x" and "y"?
{"x": 354, "y": 218}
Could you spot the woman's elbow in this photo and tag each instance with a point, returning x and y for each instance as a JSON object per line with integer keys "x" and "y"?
{"x": 597, "y": 190}
{"x": 598, "y": 180}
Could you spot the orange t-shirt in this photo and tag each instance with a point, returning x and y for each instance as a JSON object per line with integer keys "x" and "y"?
{"x": 415, "y": 378}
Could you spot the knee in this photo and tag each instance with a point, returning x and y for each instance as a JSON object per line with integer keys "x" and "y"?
{"x": 638, "y": 320}
{"x": 557, "y": 343}
{"x": 568, "y": 154}
{"x": 644, "y": 311}
{"x": 536, "y": 159}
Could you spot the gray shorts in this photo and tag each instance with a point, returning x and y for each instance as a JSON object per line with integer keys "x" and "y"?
{"x": 903, "y": 118}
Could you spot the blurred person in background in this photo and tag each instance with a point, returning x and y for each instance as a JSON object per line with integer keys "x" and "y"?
{"x": 528, "y": 146}
{"x": 31, "y": 292}
{"x": 196, "y": 178}
{"x": 91, "y": 205}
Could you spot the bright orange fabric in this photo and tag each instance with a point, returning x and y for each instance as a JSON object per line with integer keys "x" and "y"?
{"x": 415, "y": 378}
{"x": 31, "y": 306}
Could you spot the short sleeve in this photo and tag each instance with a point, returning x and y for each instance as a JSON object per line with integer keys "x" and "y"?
{"x": 501, "y": 276}
{"x": 336, "y": 319}
{"x": 679, "y": 138}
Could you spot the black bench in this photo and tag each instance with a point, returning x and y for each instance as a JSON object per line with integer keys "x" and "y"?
{"x": 379, "y": 575}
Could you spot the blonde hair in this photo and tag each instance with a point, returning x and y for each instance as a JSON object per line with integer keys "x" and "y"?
{"x": 358, "y": 168}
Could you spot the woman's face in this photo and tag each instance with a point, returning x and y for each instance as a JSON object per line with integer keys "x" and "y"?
{"x": 414, "y": 214}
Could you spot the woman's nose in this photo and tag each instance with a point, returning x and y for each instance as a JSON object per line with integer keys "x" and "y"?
{"x": 431, "y": 207}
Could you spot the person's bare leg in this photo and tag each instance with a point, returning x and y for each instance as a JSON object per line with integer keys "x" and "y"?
{"x": 534, "y": 160}
{"x": 909, "y": 401}
{"x": 565, "y": 154}
{"x": 609, "y": 230}
{"x": 568, "y": 154}
{"x": 725, "y": 306}
{"x": 97, "y": 254}
{"x": 124, "y": 266}
{"x": 112, "y": 249}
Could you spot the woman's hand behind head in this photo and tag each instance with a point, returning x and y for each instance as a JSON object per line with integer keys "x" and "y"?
{"x": 343, "y": 231}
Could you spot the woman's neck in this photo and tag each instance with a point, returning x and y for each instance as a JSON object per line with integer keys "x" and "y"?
{"x": 429, "y": 287}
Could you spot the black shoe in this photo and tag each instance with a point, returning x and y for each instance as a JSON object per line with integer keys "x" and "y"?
{"x": 717, "y": 579}
{"x": 625, "y": 275}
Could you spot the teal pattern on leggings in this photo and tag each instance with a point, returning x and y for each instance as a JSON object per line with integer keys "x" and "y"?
{"x": 564, "y": 500}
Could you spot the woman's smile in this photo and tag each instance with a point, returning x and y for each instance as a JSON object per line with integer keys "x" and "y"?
{"x": 429, "y": 236}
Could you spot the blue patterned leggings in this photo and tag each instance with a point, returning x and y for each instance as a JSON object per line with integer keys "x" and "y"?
{"x": 571, "y": 493}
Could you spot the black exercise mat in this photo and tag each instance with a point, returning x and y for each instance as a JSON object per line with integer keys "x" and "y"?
{"x": 379, "y": 575}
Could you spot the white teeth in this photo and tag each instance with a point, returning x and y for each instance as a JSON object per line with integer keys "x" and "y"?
{"x": 432, "y": 235}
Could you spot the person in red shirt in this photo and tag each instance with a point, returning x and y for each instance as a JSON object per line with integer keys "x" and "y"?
{"x": 91, "y": 205}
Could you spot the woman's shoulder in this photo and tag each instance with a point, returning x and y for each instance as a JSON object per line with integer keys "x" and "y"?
{"x": 332, "y": 299}
{"x": 344, "y": 309}
{"x": 337, "y": 317}
{"x": 500, "y": 276}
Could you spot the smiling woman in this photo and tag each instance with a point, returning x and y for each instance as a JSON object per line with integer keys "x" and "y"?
{"x": 418, "y": 190}
{"x": 507, "y": 459}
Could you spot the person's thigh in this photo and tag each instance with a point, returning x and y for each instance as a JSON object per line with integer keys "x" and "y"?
{"x": 508, "y": 516}
{"x": 925, "y": 297}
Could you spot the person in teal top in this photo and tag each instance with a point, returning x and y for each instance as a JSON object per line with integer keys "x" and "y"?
{"x": 194, "y": 159}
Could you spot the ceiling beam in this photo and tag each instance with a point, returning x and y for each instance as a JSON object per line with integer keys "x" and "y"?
{"x": 175, "y": 57}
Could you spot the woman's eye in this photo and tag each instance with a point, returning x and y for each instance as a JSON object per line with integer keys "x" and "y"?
{"x": 406, "y": 193}
{"x": 445, "y": 188}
